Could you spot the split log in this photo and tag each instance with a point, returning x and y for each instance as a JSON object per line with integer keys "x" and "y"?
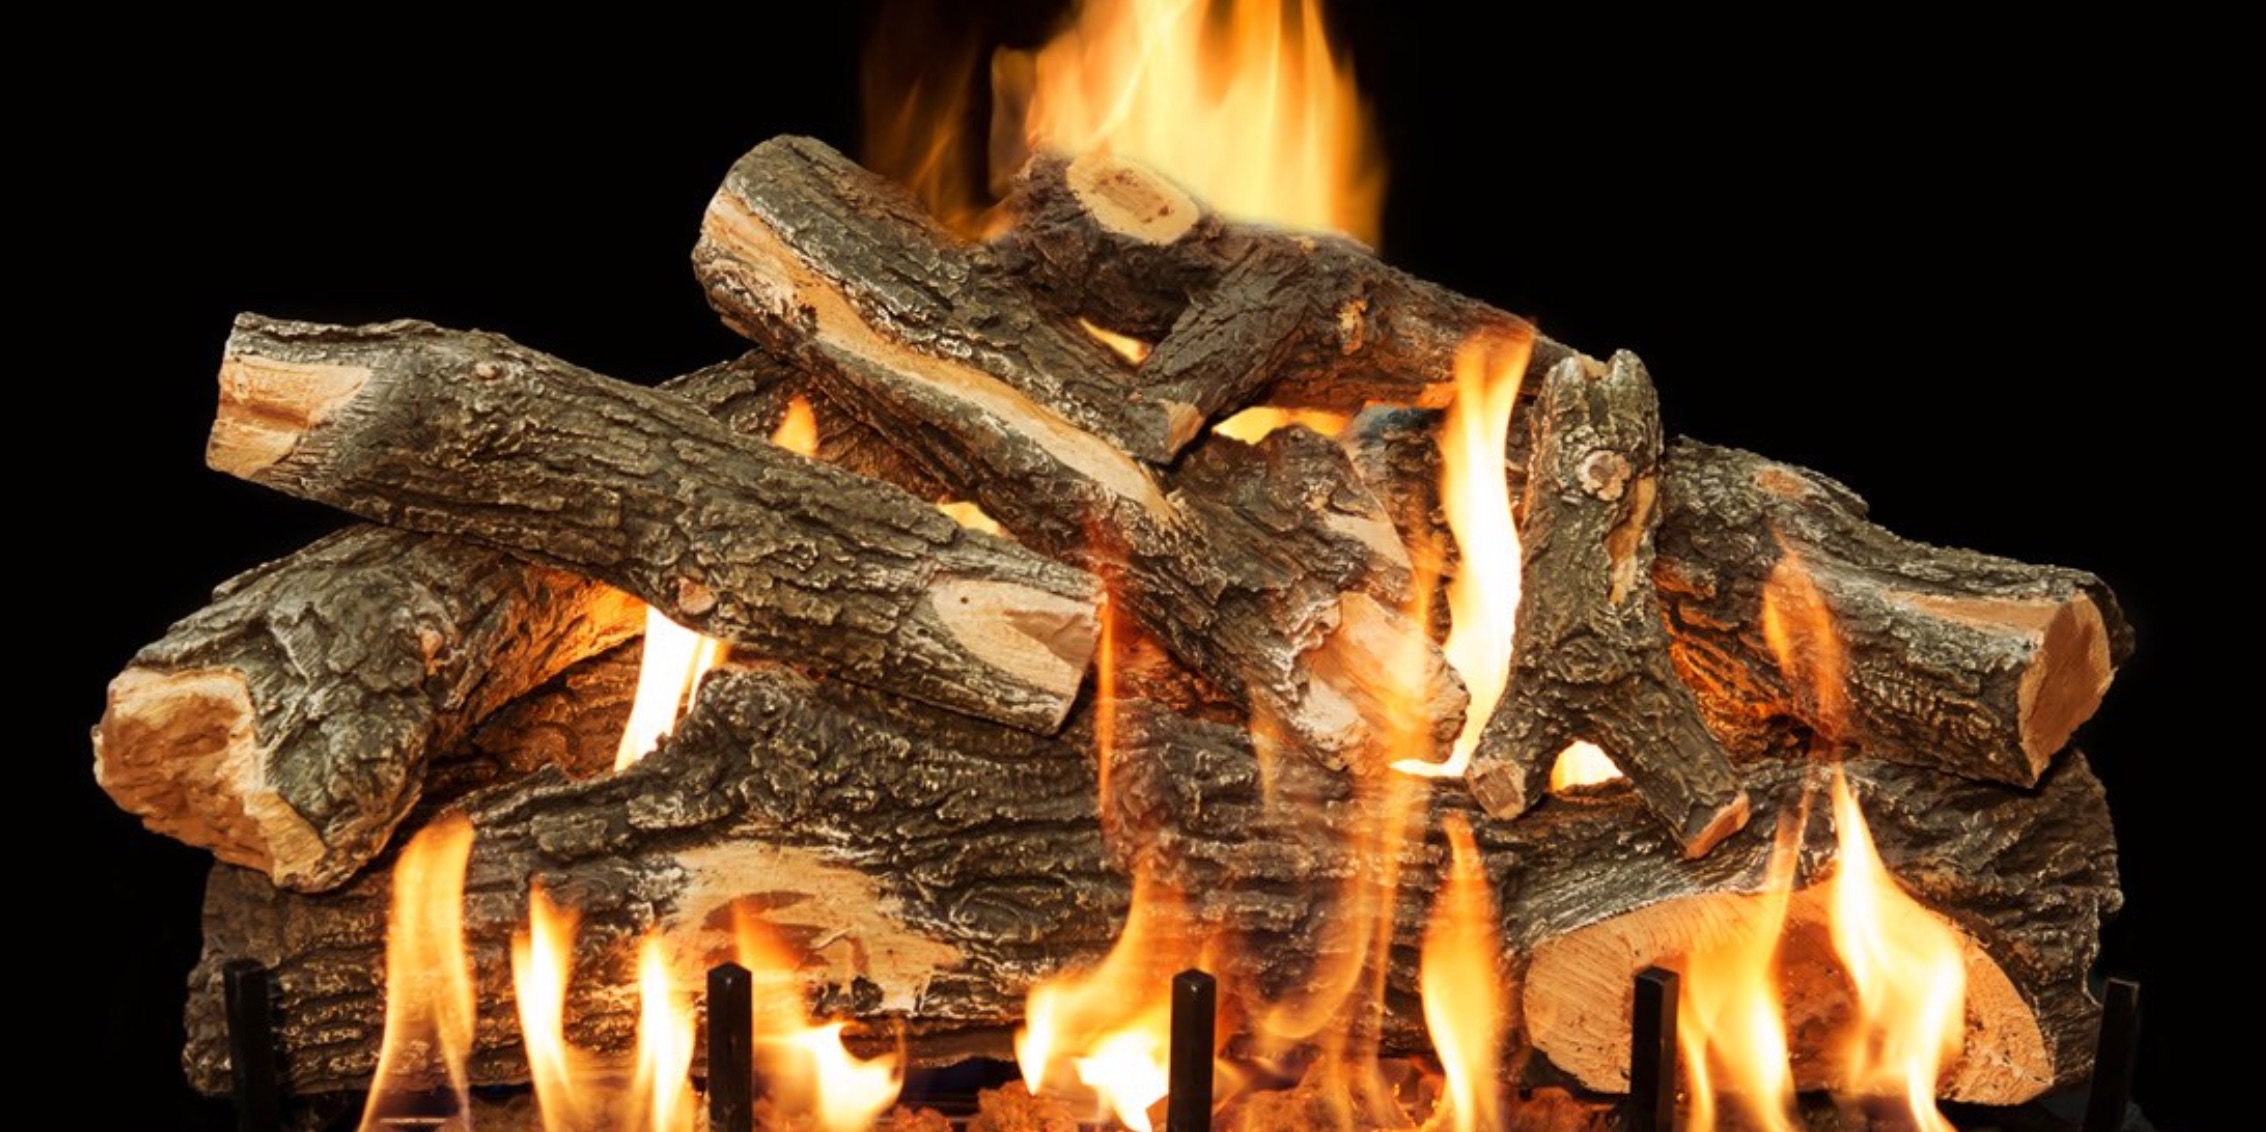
{"x": 472, "y": 435}
{"x": 930, "y": 867}
{"x": 1267, "y": 569}
{"x": 1978, "y": 665}
{"x": 1974, "y": 664}
{"x": 1238, "y": 312}
{"x": 1591, "y": 657}
{"x": 286, "y": 726}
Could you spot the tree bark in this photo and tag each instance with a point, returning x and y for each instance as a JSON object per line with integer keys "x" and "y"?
{"x": 1966, "y": 662}
{"x": 1266, "y": 569}
{"x": 472, "y": 435}
{"x": 931, "y": 867}
{"x": 1591, "y": 657}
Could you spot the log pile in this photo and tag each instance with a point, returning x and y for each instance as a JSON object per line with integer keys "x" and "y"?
{"x": 911, "y": 766}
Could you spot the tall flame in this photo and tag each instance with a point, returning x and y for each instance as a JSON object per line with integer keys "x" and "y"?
{"x": 1909, "y": 969}
{"x": 1464, "y": 1007}
{"x": 1243, "y": 101}
{"x": 542, "y": 961}
{"x": 664, "y": 1043}
{"x": 1731, "y": 1022}
{"x": 429, "y": 999}
{"x": 1483, "y": 597}
{"x": 808, "y": 1068}
{"x": 1798, "y": 627}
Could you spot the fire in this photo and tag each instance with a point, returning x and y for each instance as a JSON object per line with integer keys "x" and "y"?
{"x": 1909, "y": 969}
{"x": 1253, "y": 424}
{"x": 1133, "y": 350}
{"x": 542, "y": 961}
{"x": 1798, "y": 626}
{"x": 1730, "y": 1020}
{"x": 1483, "y": 597}
{"x": 664, "y": 1044}
{"x": 1582, "y": 763}
{"x": 1243, "y": 101}
{"x": 429, "y": 999}
{"x": 1108, "y": 1028}
{"x": 806, "y": 1065}
{"x": 798, "y": 427}
{"x": 1464, "y": 1007}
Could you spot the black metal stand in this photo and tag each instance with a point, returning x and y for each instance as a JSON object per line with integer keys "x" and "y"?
{"x": 731, "y": 1061}
{"x": 2111, "y": 1094}
{"x": 251, "y": 1048}
{"x": 1652, "y": 1052}
{"x": 1195, "y": 1006}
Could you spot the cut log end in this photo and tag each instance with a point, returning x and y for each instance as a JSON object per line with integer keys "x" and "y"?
{"x": 1040, "y": 638}
{"x": 267, "y": 406}
{"x": 156, "y": 721}
{"x": 2066, "y": 680}
{"x": 1577, "y": 1000}
{"x": 1132, "y": 201}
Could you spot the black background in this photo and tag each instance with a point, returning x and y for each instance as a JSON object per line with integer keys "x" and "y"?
{"x": 1964, "y": 268}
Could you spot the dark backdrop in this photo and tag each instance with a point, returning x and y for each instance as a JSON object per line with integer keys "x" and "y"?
{"x": 1957, "y": 266}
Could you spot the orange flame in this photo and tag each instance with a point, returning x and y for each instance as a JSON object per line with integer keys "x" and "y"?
{"x": 429, "y": 999}
{"x": 1133, "y": 350}
{"x": 542, "y": 961}
{"x": 1464, "y": 1007}
{"x": 1582, "y": 763}
{"x": 808, "y": 1068}
{"x": 1483, "y": 597}
{"x": 1731, "y": 1022}
{"x": 663, "y": 1084}
{"x": 798, "y": 427}
{"x": 1243, "y": 101}
{"x": 1909, "y": 970}
{"x": 1108, "y": 1028}
{"x": 1253, "y": 424}
{"x": 1798, "y": 626}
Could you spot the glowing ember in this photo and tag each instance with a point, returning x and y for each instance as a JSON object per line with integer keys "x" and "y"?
{"x": 663, "y": 1085}
{"x": 1104, "y": 1032}
{"x": 1730, "y": 1021}
{"x": 542, "y": 960}
{"x": 1483, "y": 597}
{"x": 1242, "y": 101}
{"x": 1909, "y": 969}
{"x": 429, "y": 999}
{"x": 970, "y": 516}
{"x": 798, "y": 428}
{"x": 1253, "y": 424}
{"x": 1581, "y": 764}
{"x": 1464, "y": 1000}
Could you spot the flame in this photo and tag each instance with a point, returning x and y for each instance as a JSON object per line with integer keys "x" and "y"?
{"x": 663, "y": 1084}
{"x": 806, "y": 1066}
{"x": 429, "y": 999}
{"x": 1730, "y": 1019}
{"x": 542, "y": 960}
{"x": 1909, "y": 970}
{"x": 1108, "y": 1028}
{"x": 1464, "y": 1008}
{"x": 1253, "y": 424}
{"x": 970, "y": 516}
{"x": 1798, "y": 626}
{"x": 1133, "y": 350}
{"x": 1243, "y": 101}
{"x": 798, "y": 427}
{"x": 1483, "y": 597}
{"x": 1582, "y": 763}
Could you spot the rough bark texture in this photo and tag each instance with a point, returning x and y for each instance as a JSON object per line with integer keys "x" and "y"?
{"x": 1591, "y": 658}
{"x": 1238, "y": 312}
{"x": 1267, "y": 569}
{"x": 286, "y": 726}
{"x": 472, "y": 435}
{"x": 1973, "y": 664}
{"x": 932, "y": 866}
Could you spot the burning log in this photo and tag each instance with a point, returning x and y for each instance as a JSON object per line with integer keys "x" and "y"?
{"x": 286, "y": 726}
{"x": 934, "y": 888}
{"x": 1238, "y": 311}
{"x": 1974, "y": 664}
{"x": 475, "y": 436}
{"x": 1269, "y": 570}
{"x": 1591, "y": 659}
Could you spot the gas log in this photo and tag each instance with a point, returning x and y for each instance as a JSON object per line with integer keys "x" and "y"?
{"x": 932, "y": 866}
{"x": 904, "y": 771}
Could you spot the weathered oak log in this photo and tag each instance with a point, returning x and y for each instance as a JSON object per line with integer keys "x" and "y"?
{"x": 1975, "y": 664}
{"x": 1267, "y": 569}
{"x": 1978, "y": 665}
{"x": 1238, "y": 312}
{"x": 932, "y": 866}
{"x": 473, "y": 435}
{"x": 1591, "y": 658}
{"x": 287, "y": 725}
